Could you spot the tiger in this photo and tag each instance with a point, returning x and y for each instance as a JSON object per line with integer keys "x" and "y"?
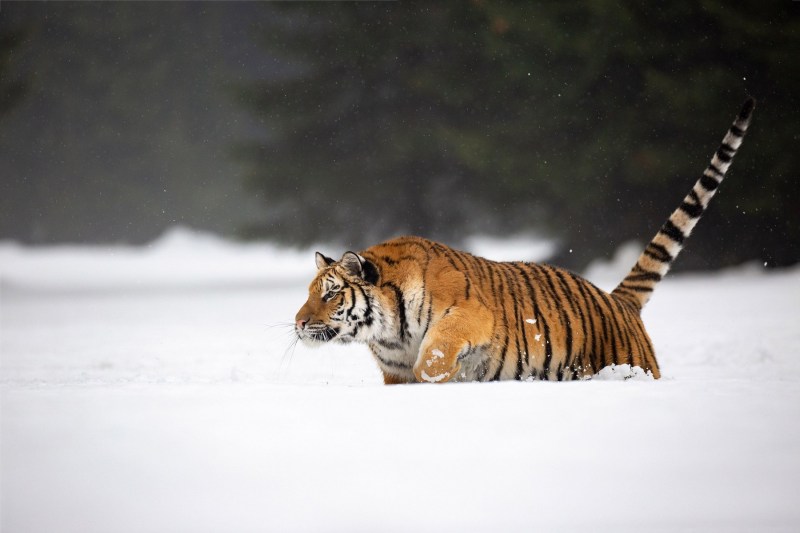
{"x": 430, "y": 313}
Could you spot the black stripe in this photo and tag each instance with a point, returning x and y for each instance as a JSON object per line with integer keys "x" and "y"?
{"x": 608, "y": 352}
{"x": 504, "y": 273}
{"x": 391, "y": 364}
{"x": 400, "y": 308}
{"x": 550, "y": 274}
{"x": 747, "y": 109}
{"x": 548, "y": 353}
{"x": 546, "y": 273}
{"x": 633, "y": 323}
{"x": 616, "y": 329}
{"x": 482, "y": 270}
{"x": 693, "y": 210}
{"x": 479, "y": 277}
{"x": 606, "y": 332}
{"x": 637, "y": 288}
{"x": 658, "y": 252}
{"x": 579, "y": 306}
{"x": 520, "y": 329}
{"x": 694, "y": 197}
{"x": 367, "y": 318}
{"x": 625, "y": 328}
{"x": 708, "y": 183}
{"x": 629, "y": 324}
{"x": 518, "y": 373}
{"x": 537, "y": 312}
{"x": 650, "y": 357}
{"x": 496, "y": 376}
{"x": 602, "y": 326}
{"x": 592, "y": 341}
{"x": 501, "y": 308}
{"x": 723, "y": 155}
{"x": 574, "y": 369}
{"x": 423, "y": 270}
{"x": 496, "y": 269}
{"x": 422, "y": 303}
{"x": 672, "y": 231}
{"x": 464, "y": 353}
{"x": 553, "y": 304}
{"x": 349, "y": 311}
{"x": 467, "y": 277}
{"x": 569, "y": 294}
{"x": 573, "y": 301}
{"x": 644, "y": 276}
{"x": 714, "y": 170}
{"x": 737, "y": 131}
{"x": 450, "y": 255}
{"x": 389, "y": 345}
{"x": 429, "y": 317}
{"x": 647, "y": 346}
{"x": 517, "y": 276}
{"x": 549, "y": 287}
{"x": 422, "y": 244}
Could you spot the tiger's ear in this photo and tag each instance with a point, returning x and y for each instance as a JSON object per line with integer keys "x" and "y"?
{"x": 322, "y": 261}
{"x": 356, "y": 265}
{"x": 353, "y": 264}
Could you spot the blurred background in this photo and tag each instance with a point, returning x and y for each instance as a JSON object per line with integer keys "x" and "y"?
{"x": 352, "y": 122}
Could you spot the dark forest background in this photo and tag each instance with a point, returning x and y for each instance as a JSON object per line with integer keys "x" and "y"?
{"x": 352, "y": 122}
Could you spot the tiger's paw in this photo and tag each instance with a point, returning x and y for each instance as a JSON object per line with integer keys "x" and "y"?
{"x": 434, "y": 367}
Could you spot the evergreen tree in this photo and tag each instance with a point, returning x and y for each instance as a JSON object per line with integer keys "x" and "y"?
{"x": 12, "y": 84}
{"x": 126, "y": 124}
{"x": 589, "y": 120}
{"x": 360, "y": 135}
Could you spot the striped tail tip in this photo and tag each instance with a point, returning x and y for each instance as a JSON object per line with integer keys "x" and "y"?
{"x": 657, "y": 257}
{"x": 747, "y": 109}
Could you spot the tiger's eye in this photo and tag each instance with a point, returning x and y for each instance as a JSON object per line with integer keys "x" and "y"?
{"x": 333, "y": 291}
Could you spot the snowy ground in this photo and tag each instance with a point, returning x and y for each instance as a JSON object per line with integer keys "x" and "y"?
{"x": 154, "y": 391}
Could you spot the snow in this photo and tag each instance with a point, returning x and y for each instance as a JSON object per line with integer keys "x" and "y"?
{"x": 158, "y": 389}
{"x": 181, "y": 258}
{"x": 435, "y": 379}
{"x": 622, "y": 373}
{"x": 512, "y": 248}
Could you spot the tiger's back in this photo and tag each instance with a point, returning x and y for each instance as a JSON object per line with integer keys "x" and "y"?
{"x": 434, "y": 314}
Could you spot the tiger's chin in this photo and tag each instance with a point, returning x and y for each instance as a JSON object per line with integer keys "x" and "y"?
{"x": 327, "y": 335}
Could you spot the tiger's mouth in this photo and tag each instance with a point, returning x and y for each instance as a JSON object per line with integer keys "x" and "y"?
{"x": 317, "y": 333}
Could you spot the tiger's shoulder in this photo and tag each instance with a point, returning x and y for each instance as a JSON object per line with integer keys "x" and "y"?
{"x": 413, "y": 257}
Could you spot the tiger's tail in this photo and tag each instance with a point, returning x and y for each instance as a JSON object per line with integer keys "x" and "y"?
{"x": 656, "y": 259}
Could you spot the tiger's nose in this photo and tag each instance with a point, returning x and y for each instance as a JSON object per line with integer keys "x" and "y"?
{"x": 302, "y": 317}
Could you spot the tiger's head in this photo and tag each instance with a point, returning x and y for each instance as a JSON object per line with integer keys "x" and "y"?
{"x": 343, "y": 301}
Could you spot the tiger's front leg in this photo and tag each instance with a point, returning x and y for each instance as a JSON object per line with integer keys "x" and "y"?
{"x": 456, "y": 332}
